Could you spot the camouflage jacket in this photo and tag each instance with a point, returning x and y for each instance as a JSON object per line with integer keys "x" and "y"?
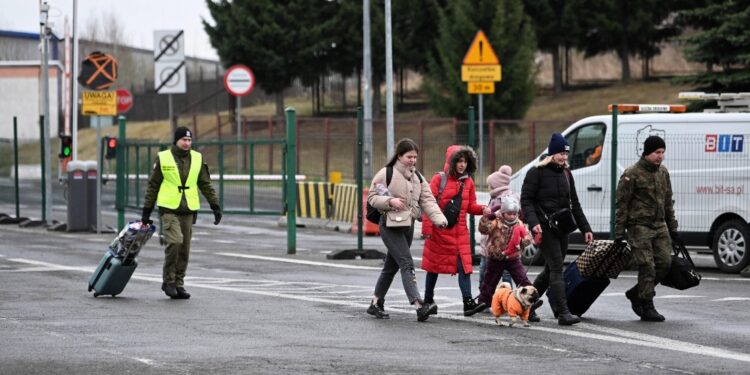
{"x": 182, "y": 158}
{"x": 644, "y": 197}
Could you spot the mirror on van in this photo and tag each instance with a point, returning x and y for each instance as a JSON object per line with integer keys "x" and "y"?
{"x": 586, "y": 145}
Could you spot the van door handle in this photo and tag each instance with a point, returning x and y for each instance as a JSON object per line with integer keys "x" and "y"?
{"x": 594, "y": 188}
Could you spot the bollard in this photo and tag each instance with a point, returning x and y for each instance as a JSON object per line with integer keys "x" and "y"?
{"x": 91, "y": 203}
{"x": 77, "y": 202}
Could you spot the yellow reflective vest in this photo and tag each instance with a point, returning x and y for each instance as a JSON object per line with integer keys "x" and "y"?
{"x": 171, "y": 189}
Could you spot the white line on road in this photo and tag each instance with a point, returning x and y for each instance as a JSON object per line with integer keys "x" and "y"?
{"x": 298, "y": 261}
{"x": 607, "y": 334}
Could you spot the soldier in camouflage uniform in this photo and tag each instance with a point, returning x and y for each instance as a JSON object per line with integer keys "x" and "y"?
{"x": 645, "y": 212}
{"x": 177, "y": 176}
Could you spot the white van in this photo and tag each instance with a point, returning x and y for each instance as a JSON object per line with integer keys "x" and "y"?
{"x": 708, "y": 163}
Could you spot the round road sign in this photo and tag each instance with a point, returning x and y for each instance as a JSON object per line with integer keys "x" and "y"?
{"x": 239, "y": 80}
{"x": 124, "y": 100}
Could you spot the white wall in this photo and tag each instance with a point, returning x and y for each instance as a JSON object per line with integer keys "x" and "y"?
{"x": 20, "y": 97}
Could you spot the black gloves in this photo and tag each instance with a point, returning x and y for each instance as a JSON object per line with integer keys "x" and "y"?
{"x": 217, "y": 213}
{"x": 146, "y": 215}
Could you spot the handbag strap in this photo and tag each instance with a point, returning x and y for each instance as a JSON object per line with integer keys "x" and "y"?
{"x": 678, "y": 247}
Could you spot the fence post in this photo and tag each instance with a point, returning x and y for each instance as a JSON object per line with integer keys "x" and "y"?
{"x": 360, "y": 137}
{"x": 291, "y": 181}
{"x": 491, "y": 145}
{"x": 120, "y": 185}
{"x": 420, "y": 127}
{"x": 532, "y": 140}
{"x": 327, "y": 156}
{"x": 270, "y": 146}
{"x": 613, "y": 174}
{"x": 453, "y": 131}
{"x": 43, "y": 162}
{"x": 15, "y": 164}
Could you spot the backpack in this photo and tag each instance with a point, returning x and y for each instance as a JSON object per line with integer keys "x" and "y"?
{"x": 373, "y": 214}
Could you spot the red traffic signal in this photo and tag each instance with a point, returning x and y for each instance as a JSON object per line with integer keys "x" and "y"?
{"x": 66, "y": 146}
{"x": 110, "y": 144}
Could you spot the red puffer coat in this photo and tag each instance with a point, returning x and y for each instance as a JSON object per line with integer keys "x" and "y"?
{"x": 442, "y": 248}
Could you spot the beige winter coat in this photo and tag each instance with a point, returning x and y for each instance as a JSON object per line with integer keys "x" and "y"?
{"x": 405, "y": 184}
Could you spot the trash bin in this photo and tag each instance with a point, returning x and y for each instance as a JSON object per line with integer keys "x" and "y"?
{"x": 77, "y": 202}
{"x": 91, "y": 203}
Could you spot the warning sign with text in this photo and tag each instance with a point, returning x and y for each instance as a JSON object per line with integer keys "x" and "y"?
{"x": 101, "y": 103}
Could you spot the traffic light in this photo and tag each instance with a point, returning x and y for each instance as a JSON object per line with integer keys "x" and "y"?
{"x": 110, "y": 143}
{"x": 66, "y": 146}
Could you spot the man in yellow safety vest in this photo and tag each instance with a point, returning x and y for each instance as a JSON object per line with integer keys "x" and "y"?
{"x": 177, "y": 176}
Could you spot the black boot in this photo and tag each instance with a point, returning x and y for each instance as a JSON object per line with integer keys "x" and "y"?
{"x": 378, "y": 310}
{"x": 533, "y": 317}
{"x": 635, "y": 302}
{"x": 170, "y": 290}
{"x": 432, "y": 302}
{"x": 565, "y": 318}
{"x": 425, "y": 310}
{"x": 471, "y": 307}
{"x": 182, "y": 293}
{"x": 649, "y": 313}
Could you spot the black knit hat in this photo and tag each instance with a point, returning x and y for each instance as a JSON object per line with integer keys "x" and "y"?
{"x": 652, "y": 144}
{"x": 557, "y": 144}
{"x": 180, "y": 133}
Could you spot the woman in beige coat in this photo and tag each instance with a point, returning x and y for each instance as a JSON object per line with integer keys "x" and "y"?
{"x": 401, "y": 202}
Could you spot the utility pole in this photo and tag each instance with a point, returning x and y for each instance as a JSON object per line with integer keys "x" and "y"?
{"x": 367, "y": 87}
{"x": 74, "y": 66}
{"x": 44, "y": 36}
{"x": 388, "y": 80}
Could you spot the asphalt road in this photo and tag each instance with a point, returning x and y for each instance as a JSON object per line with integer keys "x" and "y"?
{"x": 256, "y": 309}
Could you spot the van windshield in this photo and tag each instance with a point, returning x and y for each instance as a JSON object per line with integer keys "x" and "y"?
{"x": 586, "y": 144}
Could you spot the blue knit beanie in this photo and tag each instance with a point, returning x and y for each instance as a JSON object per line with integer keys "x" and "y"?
{"x": 557, "y": 144}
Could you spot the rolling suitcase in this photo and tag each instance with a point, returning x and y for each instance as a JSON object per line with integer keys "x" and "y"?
{"x": 581, "y": 292}
{"x": 119, "y": 262}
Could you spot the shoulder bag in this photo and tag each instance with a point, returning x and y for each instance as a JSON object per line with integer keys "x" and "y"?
{"x": 682, "y": 274}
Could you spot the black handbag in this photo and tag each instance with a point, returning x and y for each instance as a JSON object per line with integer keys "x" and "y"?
{"x": 562, "y": 221}
{"x": 373, "y": 215}
{"x": 452, "y": 209}
{"x": 682, "y": 274}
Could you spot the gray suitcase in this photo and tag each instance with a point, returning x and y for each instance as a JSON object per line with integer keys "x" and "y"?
{"x": 112, "y": 275}
{"x": 119, "y": 262}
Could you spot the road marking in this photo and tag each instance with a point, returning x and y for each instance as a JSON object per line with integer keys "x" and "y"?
{"x": 224, "y": 241}
{"x": 606, "y": 333}
{"x": 732, "y": 299}
{"x": 677, "y": 296}
{"x": 298, "y": 261}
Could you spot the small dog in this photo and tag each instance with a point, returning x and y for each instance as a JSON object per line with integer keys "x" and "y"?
{"x": 516, "y": 302}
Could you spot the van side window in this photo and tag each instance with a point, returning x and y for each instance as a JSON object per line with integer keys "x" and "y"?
{"x": 586, "y": 145}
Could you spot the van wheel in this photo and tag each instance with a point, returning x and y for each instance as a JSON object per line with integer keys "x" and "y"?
{"x": 731, "y": 247}
{"x": 531, "y": 255}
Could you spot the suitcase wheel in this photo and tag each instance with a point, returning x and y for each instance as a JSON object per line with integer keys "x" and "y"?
{"x": 90, "y": 288}
{"x": 96, "y": 295}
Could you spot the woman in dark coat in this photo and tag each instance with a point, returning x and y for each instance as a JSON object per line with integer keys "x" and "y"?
{"x": 548, "y": 188}
{"x": 447, "y": 250}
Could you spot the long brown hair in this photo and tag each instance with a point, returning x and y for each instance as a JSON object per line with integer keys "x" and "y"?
{"x": 405, "y": 145}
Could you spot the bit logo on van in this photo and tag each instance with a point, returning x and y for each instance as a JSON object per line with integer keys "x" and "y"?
{"x": 724, "y": 142}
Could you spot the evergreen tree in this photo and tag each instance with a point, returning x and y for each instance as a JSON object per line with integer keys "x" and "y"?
{"x": 629, "y": 28}
{"x": 278, "y": 41}
{"x": 511, "y": 33}
{"x": 723, "y": 41}
{"x": 556, "y": 26}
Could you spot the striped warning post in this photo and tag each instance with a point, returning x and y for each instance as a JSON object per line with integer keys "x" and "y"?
{"x": 314, "y": 200}
{"x": 344, "y": 202}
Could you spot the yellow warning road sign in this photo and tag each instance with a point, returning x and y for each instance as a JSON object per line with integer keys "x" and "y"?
{"x": 481, "y": 73}
{"x": 480, "y": 52}
{"x": 101, "y": 103}
{"x": 481, "y": 87}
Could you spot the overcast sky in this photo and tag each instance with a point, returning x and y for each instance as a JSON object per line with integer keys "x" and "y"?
{"x": 138, "y": 19}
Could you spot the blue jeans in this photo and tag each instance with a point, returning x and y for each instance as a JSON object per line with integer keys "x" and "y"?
{"x": 464, "y": 283}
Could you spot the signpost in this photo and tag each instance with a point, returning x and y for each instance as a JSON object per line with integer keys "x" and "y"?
{"x": 169, "y": 66}
{"x": 124, "y": 100}
{"x": 95, "y": 104}
{"x": 481, "y": 69}
{"x": 239, "y": 81}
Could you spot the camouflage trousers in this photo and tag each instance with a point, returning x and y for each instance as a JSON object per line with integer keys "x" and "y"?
{"x": 652, "y": 253}
{"x": 177, "y": 229}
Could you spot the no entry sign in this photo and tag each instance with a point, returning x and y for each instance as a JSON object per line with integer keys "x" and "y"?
{"x": 239, "y": 80}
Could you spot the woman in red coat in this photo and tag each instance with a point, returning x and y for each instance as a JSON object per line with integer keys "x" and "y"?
{"x": 447, "y": 250}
